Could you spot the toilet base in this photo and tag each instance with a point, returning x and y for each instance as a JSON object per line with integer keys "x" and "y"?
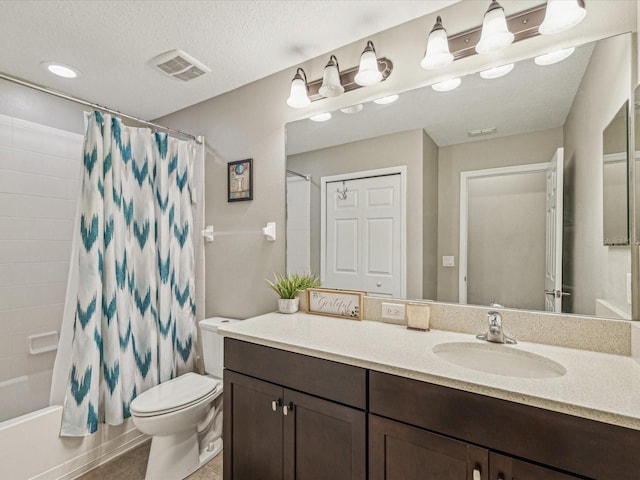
{"x": 175, "y": 457}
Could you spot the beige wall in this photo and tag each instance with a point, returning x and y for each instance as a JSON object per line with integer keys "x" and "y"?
{"x": 405, "y": 148}
{"x": 430, "y": 152}
{"x": 594, "y": 271}
{"x": 506, "y": 249}
{"x": 249, "y": 122}
{"x": 535, "y": 147}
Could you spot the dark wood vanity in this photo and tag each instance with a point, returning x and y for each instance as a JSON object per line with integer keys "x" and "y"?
{"x": 292, "y": 416}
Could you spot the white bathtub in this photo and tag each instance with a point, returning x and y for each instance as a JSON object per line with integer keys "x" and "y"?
{"x": 30, "y": 446}
{"x": 24, "y": 394}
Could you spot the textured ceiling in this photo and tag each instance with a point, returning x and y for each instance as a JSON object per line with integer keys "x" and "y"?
{"x": 538, "y": 98}
{"x": 112, "y": 43}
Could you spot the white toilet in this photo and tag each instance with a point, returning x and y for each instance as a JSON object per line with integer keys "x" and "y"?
{"x": 184, "y": 414}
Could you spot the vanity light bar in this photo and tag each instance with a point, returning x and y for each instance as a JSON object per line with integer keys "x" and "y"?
{"x": 481, "y": 132}
{"x": 523, "y": 25}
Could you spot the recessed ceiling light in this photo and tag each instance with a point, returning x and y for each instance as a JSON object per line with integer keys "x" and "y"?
{"x": 386, "y": 100}
{"x": 554, "y": 57}
{"x": 352, "y": 109}
{"x": 321, "y": 117}
{"x": 447, "y": 85}
{"x": 60, "y": 69}
{"x": 496, "y": 72}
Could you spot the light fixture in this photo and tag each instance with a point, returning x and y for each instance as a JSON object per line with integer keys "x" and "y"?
{"x": 386, "y": 100}
{"x": 321, "y": 117}
{"x": 554, "y": 57}
{"x": 496, "y": 72}
{"x": 495, "y": 35}
{"x": 368, "y": 73}
{"x": 331, "y": 86}
{"x": 437, "y": 54}
{"x": 562, "y": 15}
{"x": 352, "y": 109}
{"x": 298, "y": 97}
{"x": 447, "y": 85}
{"x": 60, "y": 69}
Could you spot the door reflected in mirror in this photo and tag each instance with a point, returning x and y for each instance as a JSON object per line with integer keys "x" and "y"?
{"x": 517, "y": 121}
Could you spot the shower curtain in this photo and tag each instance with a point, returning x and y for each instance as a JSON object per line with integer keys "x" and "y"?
{"x": 134, "y": 325}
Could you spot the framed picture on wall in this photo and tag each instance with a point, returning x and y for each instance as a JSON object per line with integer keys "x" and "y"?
{"x": 240, "y": 180}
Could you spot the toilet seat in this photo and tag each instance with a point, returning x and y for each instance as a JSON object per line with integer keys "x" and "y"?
{"x": 176, "y": 394}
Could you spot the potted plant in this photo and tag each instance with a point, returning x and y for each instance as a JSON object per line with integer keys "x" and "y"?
{"x": 288, "y": 286}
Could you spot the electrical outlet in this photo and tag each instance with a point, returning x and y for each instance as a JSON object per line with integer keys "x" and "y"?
{"x": 393, "y": 311}
{"x": 448, "y": 261}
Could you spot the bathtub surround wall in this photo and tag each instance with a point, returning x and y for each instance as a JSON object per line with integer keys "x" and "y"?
{"x": 250, "y": 122}
{"x": 39, "y": 171}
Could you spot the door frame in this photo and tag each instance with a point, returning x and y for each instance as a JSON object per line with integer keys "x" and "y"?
{"x": 465, "y": 177}
{"x": 379, "y": 172}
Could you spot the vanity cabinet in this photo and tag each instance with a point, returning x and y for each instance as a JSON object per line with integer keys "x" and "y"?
{"x": 273, "y": 431}
{"x": 523, "y": 442}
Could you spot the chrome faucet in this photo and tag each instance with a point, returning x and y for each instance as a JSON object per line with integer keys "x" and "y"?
{"x": 495, "y": 333}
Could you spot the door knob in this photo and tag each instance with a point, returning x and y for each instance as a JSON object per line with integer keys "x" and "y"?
{"x": 379, "y": 284}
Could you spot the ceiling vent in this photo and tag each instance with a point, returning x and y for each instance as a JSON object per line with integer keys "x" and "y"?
{"x": 178, "y": 64}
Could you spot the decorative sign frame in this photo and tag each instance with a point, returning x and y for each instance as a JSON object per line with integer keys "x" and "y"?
{"x": 240, "y": 180}
{"x": 335, "y": 303}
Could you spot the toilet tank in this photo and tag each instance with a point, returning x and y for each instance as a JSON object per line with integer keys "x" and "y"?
{"x": 213, "y": 344}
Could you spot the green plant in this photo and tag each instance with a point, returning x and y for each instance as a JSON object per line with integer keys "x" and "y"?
{"x": 288, "y": 286}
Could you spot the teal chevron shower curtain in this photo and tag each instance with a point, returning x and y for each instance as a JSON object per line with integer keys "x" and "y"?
{"x": 135, "y": 318}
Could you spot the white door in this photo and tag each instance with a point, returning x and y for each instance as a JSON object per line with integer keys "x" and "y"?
{"x": 553, "y": 261}
{"x": 364, "y": 235}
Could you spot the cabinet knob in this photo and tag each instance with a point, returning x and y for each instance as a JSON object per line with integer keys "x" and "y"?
{"x": 287, "y": 408}
{"x": 275, "y": 404}
{"x": 476, "y": 474}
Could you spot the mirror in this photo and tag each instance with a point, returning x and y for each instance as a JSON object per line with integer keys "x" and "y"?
{"x": 478, "y": 160}
{"x": 615, "y": 173}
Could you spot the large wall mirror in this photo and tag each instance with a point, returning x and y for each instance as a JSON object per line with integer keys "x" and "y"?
{"x": 491, "y": 193}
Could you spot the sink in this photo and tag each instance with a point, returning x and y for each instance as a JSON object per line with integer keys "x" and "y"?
{"x": 499, "y": 360}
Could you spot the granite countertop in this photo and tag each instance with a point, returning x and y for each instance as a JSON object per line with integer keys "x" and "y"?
{"x": 598, "y": 386}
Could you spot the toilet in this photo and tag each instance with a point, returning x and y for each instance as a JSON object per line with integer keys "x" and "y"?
{"x": 184, "y": 415}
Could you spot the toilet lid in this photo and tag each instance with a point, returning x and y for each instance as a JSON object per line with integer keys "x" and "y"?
{"x": 174, "y": 394}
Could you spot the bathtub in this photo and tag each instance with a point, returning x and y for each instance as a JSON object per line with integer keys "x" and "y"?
{"x": 24, "y": 394}
{"x": 30, "y": 446}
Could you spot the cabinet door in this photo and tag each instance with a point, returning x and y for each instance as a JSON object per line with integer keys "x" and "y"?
{"x": 252, "y": 429}
{"x": 507, "y": 468}
{"x": 322, "y": 439}
{"x": 401, "y": 452}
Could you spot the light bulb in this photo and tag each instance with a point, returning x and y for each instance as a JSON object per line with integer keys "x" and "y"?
{"x": 495, "y": 35}
{"x": 437, "y": 54}
{"x": 561, "y": 15}
{"x": 553, "y": 57}
{"x": 368, "y": 73}
{"x": 331, "y": 86}
{"x": 496, "y": 72}
{"x": 298, "y": 97}
{"x": 447, "y": 85}
{"x": 321, "y": 117}
{"x": 386, "y": 100}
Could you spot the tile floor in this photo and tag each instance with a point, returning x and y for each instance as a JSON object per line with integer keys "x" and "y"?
{"x": 132, "y": 465}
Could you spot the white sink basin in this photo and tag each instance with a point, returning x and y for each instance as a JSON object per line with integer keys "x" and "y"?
{"x": 499, "y": 359}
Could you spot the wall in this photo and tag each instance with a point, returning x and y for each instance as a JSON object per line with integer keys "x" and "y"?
{"x": 405, "y": 148}
{"x": 429, "y": 217}
{"x": 506, "y": 230}
{"x": 39, "y": 172}
{"x": 534, "y": 147}
{"x": 249, "y": 122}
{"x": 594, "y": 271}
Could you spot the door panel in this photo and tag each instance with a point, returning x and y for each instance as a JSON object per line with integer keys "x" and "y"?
{"x": 254, "y": 428}
{"x": 401, "y": 452}
{"x": 323, "y": 440}
{"x": 554, "y": 209}
{"x": 364, "y": 234}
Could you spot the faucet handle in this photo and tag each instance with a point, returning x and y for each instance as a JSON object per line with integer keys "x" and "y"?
{"x": 495, "y": 319}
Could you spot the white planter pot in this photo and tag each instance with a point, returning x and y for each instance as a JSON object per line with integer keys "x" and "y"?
{"x": 288, "y": 305}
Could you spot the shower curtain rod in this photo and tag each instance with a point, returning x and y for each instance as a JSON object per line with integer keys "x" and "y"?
{"x": 306, "y": 177}
{"x": 24, "y": 83}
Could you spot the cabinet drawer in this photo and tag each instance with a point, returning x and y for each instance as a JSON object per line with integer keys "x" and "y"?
{"x": 586, "y": 447}
{"x": 323, "y": 378}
